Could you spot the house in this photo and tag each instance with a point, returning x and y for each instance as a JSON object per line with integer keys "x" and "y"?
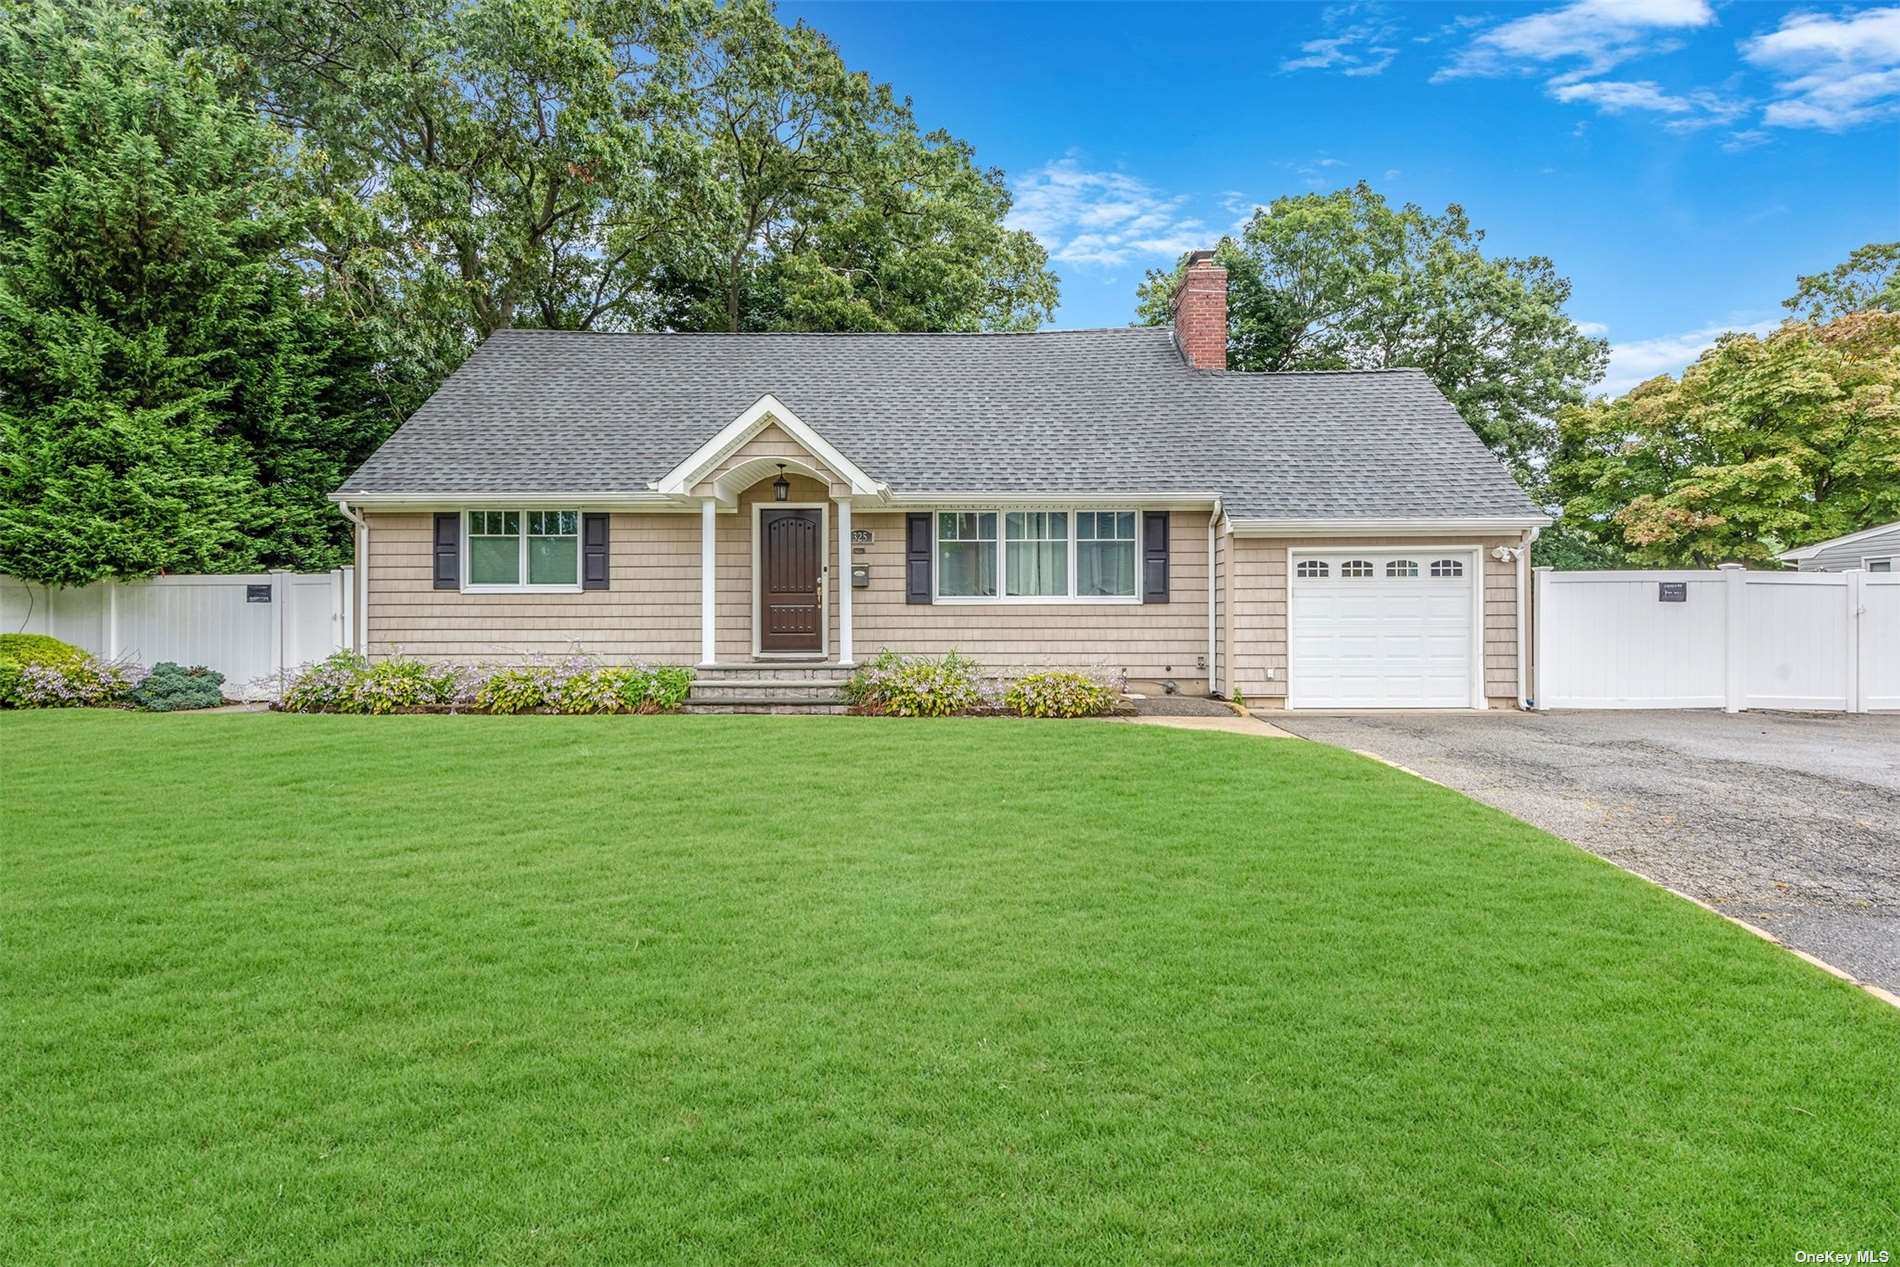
{"x": 1090, "y": 498}
{"x": 1871, "y": 550}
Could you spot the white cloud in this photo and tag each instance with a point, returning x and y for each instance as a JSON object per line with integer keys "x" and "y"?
{"x": 1594, "y": 36}
{"x": 1836, "y": 71}
{"x": 1640, "y": 360}
{"x": 1103, "y": 218}
{"x": 1359, "y": 42}
{"x": 1614, "y": 96}
{"x": 1746, "y": 139}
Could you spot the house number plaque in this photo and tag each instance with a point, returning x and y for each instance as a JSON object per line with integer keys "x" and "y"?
{"x": 861, "y": 537}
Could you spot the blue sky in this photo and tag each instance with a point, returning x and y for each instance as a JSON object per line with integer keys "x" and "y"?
{"x": 1680, "y": 160}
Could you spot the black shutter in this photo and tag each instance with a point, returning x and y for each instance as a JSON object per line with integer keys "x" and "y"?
{"x": 1154, "y": 556}
{"x": 594, "y": 534}
{"x": 917, "y": 559}
{"x": 448, "y": 551}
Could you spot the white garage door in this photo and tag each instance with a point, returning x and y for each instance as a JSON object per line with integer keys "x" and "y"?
{"x": 1381, "y": 629}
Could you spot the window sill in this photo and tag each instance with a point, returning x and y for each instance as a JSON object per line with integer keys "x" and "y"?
{"x": 521, "y": 589}
{"x": 1054, "y": 600}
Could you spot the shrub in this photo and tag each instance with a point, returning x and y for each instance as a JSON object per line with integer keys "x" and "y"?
{"x": 667, "y": 687}
{"x": 328, "y": 686}
{"x": 170, "y": 687}
{"x": 43, "y": 672}
{"x": 347, "y": 683}
{"x": 513, "y": 691}
{"x": 38, "y": 649}
{"x": 397, "y": 683}
{"x": 1060, "y": 694}
{"x": 917, "y": 686}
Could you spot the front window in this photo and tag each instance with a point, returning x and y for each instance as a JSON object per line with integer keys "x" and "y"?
{"x": 1038, "y": 553}
{"x": 1880, "y": 565}
{"x": 502, "y": 555}
{"x": 1105, "y": 553}
{"x": 966, "y": 554}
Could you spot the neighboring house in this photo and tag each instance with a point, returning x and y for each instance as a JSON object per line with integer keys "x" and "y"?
{"x": 1872, "y": 550}
{"x": 1091, "y": 498}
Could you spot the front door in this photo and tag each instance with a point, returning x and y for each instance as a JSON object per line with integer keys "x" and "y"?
{"x": 791, "y": 580}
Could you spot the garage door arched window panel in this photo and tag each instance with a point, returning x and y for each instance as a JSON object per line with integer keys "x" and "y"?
{"x": 1401, "y": 568}
{"x": 1311, "y": 569}
{"x": 1356, "y": 569}
{"x": 1448, "y": 567}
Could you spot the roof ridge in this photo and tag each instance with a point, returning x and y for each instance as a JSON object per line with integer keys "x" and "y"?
{"x": 829, "y": 334}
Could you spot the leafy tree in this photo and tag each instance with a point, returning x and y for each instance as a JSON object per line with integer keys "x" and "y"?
{"x": 1564, "y": 546}
{"x": 1346, "y": 281}
{"x": 618, "y": 164}
{"x": 1763, "y": 444}
{"x": 172, "y": 400}
{"x": 1869, "y": 281}
{"x": 821, "y": 206}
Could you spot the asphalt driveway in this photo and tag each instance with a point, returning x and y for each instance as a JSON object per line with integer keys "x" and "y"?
{"x": 1790, "y": 821}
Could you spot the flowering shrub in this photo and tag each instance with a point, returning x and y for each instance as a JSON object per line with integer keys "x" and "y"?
{"x": 918, "y": 686}
{"x": 513, "y": 691}
{"x": 170, "y": 687}
{"x": 347, "y": 683}
{"x": 1059, "y": 694}
{"x": 328, "y": 686}
{"x": 41, "y": 672}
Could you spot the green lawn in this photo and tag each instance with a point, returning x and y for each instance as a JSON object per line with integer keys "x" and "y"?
{"x": 782, "y": 990}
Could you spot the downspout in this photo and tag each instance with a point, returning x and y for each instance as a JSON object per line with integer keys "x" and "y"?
{"x": 1213, "y": 685}
{"x": 360, "y": 599}
{"x": 1523, "y": 612}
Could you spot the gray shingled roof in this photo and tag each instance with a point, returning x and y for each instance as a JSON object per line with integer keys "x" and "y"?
{"x": 535, "y": 411}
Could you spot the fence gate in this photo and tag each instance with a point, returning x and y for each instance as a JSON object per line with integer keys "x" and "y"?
{"x": 251, "y": 628}
{"x": 1730, "y": 639}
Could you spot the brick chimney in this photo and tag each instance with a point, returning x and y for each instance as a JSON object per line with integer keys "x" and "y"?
{"x": 1200, "y": 313}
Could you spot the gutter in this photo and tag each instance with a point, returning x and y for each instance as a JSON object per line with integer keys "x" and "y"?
{"x": 1488, "y": 526}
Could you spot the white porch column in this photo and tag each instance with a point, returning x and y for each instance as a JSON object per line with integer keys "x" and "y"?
{"x": 844, "y": 581}
{"x": 708, "y": 549}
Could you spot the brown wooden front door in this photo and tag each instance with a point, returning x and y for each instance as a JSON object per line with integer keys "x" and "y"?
{"x": 791, "y": 584}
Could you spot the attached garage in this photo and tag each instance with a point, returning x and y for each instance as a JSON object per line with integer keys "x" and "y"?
{"x": 1387, "y": 628}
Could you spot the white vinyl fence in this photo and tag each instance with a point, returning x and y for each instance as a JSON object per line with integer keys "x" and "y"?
{"x": 251, "y": 628}
{"x": 1729, "y": 639}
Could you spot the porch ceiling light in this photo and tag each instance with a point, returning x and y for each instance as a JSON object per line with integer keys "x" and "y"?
{"x": 781, "y": 487}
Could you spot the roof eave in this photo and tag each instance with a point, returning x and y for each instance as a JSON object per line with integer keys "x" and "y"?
{"x": 1381, "y": 526}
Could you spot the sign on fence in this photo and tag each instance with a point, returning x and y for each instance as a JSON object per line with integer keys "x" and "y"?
{"x": 251, "y": 628}
{"x": 1729, "y": 639}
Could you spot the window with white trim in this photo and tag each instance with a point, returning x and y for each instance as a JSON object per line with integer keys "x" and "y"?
{"x": 1448, "y": 567}
{"x": 1356, "y": 569}
{"x": 1105, "y": 554}
{"x": 1037, "y": 550}
{"x": 1312, "y": 569}
{"x": 502, "y": 555}
{"x": 1879, "y": 565}
{"x": 1401, "y": 568}
{"x": 1040, "y": 554}
{"x": 966, "y": 554}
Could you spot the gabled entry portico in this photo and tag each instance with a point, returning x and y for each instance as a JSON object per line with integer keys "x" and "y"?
{"x": 793, "y": 576}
